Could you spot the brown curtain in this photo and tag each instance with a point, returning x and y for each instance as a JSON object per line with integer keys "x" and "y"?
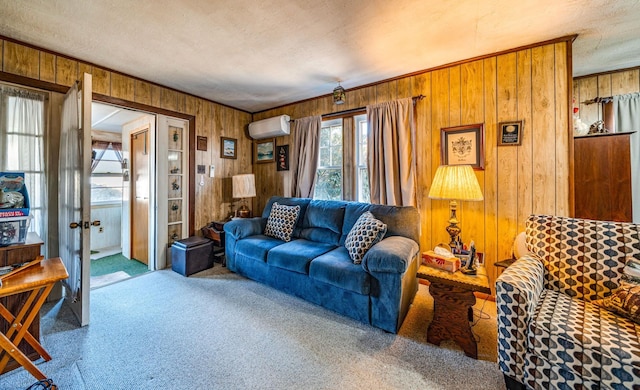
{"x": 304, "y": 155}
{"x": 391, "y": 154}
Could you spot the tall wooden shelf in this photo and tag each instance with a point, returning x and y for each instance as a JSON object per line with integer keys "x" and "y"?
{"x": 603, "y": 177}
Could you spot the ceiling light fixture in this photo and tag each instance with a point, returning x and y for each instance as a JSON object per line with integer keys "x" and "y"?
{"x": 339, "y": 95}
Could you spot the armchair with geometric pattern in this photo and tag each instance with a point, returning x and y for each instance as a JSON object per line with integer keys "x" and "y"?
{"x": 553, "y": 331}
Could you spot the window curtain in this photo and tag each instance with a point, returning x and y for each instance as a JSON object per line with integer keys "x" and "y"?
{"x": 22, "y": 121}
{"x": 99, "y": 148}
{"x": 304, "y": 155}
{"x": 626, "y": 111}
{"x": 391, "y": 155}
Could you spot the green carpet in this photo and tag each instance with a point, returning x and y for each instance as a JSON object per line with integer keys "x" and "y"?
{"x": 115, "y": 263}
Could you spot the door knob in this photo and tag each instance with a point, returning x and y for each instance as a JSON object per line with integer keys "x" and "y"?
{"x": 75, "y": 225}
{"x": 95, "y": 223}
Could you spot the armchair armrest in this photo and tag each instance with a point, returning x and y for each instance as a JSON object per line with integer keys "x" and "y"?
{"x": 245, "y": 227}
{"x": 518, "y": 290}
{"x": 391, "y": 255}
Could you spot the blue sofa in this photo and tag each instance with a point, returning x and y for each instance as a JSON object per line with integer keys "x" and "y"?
{"x": 316, "y": 266}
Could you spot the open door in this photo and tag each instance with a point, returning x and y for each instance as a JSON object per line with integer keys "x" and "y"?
{"x": 75, "y": 195}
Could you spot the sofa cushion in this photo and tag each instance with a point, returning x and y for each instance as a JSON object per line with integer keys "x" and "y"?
{"x": 400, "y": 220}
{"x": 625, "y": 301}
{"x": 257, "y": 247}
{"x": 365, "y": 233}
{"x": 337, "y": 269}
{"x": 582, "y": 337}
{"x": 302, "y": 202}
{"x": 323, "y": 221}
{"x": 296, "y": 255}
{"x": 281, "y": 221}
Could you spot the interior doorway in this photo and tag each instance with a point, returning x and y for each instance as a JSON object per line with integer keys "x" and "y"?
{"x": 140, "y": 196}
{"x": 112, "y": 185}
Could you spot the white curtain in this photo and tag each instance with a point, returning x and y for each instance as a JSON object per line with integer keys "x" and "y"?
{"x": 626, "y": 111}
{"x": 22, "y": 123}
{"x": 304, "y": 156}
{"x": 69, "y": 176}
{"x": 391, "y": 154}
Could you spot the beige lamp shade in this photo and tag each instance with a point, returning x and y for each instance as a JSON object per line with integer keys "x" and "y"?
{"x": 457, "y": 182}
{"x": 244, "y": 186}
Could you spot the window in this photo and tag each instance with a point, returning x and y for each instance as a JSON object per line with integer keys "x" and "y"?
{"x": 342, "y": 160}
{"x": 22, "y": 121}
{"x": 329, "y": 173}
{"x": 106, "y": 178}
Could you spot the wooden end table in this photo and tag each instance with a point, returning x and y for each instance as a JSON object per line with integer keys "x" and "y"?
{"x": 453, "y": 299}
{"x": 215, "y": 232}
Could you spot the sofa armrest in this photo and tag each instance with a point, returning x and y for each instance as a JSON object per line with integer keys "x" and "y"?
{"x": 391, "y": 255}
{"x": 518, "y": 290}
{"x": 245, "y": 227}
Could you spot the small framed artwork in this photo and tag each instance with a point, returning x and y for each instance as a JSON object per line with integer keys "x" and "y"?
{"x": 463, "y": 145}
{"x": 282, "y": 158}
{"x": 510, "y": 133}
{"x": 202, "y": 143}
{"x": 265, "y": 150}
{"x": 228, "y": 147}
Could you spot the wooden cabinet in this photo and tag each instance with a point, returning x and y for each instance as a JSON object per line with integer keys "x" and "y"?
{"x": 14, "y": 254}
{"x": 602, "y": 177}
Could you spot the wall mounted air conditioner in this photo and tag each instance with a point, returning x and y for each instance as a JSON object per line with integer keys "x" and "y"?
{"x": 270, "y": 127}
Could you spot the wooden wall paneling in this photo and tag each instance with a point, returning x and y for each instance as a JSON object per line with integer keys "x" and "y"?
{"x": 2, "y": 54}
{"x": 209, "y": 193}
{"x": 604, "y": 85}
{"x": 84, "y": 68}
{"x": 455, "y": 97}
{"x": 440, "y": 91}
{"x": 123, "y": 87}
{"x": 101, "y": 82}
{"x": 543, "y": 78}
{"x": 507, "y": 161}
{"x": 563, "y": 130}
{"x": 589, "y": 113}
{"x": 625, "y": 82}
{"x": 386, "y": 92}
{"x": 47, "y": 67}
{"x": 472, "y": 111}
{"x": 156, "y": 95}
{"x": 421, "y": 85}
{"x": 143, "y": 93}
{"x": 525, "y": 157}
{"x": 325, "y": 106}
{"x": 21, "y": 60}
{"x": 404, "y": 88}
{"x": 66, "y": 71}
{"x": 490, "y": 75}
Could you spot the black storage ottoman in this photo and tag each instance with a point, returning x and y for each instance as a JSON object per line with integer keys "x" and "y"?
{"x": 191, "y": 255}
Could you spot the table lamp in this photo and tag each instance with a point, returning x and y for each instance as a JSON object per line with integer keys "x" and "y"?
{"x": 455, "y": 182}
{"x": 244, "y": 186}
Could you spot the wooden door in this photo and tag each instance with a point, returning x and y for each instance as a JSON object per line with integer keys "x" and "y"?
{"x": 140, "y": 196}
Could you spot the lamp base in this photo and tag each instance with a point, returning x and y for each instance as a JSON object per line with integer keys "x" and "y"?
{"x": 243, "y": 212}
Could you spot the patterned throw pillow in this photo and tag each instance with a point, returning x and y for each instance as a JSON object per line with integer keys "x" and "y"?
{"x": 625, "y": 301}
{"x": 631, "y": 271}
{"x": 281, "y": 221}
{"x": 363, "y": 235}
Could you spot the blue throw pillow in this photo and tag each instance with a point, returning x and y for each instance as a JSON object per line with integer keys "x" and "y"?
{"x": 281, "y": 221}
{"x": 363, "y": 235}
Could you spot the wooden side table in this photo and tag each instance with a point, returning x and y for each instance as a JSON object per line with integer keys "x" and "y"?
{"x": 453, "y": 299}
{"x": 215, "y": 232}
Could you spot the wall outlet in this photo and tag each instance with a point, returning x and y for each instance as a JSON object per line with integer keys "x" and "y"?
{"x": 201, "y": 169}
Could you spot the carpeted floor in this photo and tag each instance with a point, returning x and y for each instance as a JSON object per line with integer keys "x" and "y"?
{"x": 217, "y": 330}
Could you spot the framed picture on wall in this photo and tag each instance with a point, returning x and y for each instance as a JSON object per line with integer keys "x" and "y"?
{"x": 463, "y": 145}
{"x": 228, "y": 147}
{"x": 202, "y": 143}
{"x": 265, "y": 150}
{"x": 510, "y": 133}
{"x": 282, "y": 158}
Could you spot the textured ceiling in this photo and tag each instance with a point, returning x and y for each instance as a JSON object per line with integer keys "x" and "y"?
{"x": 255, "y": 55}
